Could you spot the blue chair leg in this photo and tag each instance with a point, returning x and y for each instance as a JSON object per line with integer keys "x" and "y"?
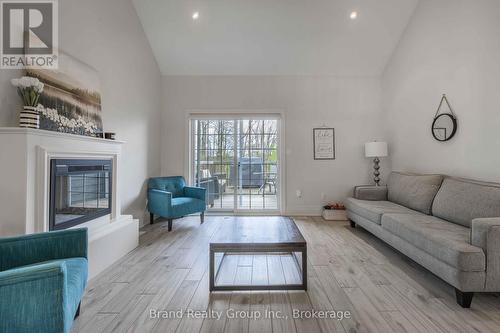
{"x": 202, "y": 217}
{"x": 151, "y": 218}
{"x": 169, "y": 224}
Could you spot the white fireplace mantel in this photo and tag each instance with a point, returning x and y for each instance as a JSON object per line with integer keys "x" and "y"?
{"x": 24, "y": 189}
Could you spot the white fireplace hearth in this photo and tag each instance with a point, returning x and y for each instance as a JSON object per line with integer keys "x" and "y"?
{"x": 25, "y": 190}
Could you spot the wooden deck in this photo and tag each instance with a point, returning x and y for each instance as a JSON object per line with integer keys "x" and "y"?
{"x": 254, "y": 201}
{"x": 348, "y": 270}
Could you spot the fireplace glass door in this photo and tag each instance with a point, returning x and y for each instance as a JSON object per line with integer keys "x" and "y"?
{"x": 80, "y": 191}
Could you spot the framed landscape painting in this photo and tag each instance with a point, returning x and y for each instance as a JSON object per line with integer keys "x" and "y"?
{"x": 71, "y": 98}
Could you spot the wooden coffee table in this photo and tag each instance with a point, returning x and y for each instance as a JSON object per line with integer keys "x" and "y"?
{"x": 274, "y": 236}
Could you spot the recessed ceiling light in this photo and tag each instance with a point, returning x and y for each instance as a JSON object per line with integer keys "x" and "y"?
{"x": 354, "y": 15}
{"x": 196, "y": 15}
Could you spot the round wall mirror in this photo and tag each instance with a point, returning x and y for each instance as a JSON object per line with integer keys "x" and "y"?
{"x": 444, "y": 127}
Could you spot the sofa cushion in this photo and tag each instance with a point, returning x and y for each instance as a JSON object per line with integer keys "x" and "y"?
{"x": 184, "y": 206}
{"x": 446, "y": 241}
{"x": 413, "y": 191}
{"x": 373, "y": 210}
{"x": 461, "y": 200}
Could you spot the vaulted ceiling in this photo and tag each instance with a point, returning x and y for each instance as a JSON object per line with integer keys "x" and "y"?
{"x": 274, "y": 37}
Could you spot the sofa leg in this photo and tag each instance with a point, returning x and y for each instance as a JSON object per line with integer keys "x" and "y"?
{"x": 353, "y": 224}
{"x": 169, "y": 224}
{"x": 151, "y": 218}
{"x": 202, "y": 217}
{"x": 464, "y": 299}
{"x": 78, "y": 310}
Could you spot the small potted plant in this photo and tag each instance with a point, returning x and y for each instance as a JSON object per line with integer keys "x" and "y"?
{"x": 29, "y": 89}
{"x": 334, "y": 212}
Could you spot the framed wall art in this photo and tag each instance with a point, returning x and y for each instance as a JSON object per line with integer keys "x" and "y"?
{"x": 324, "y": 143}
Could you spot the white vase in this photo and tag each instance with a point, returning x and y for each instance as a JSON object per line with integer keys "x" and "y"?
{"x": 29, "y": 117}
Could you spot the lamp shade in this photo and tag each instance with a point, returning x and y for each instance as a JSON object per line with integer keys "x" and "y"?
{"x": 376, "y": 149}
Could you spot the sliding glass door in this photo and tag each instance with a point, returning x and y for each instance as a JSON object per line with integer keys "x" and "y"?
{"x": 237, "y": 161}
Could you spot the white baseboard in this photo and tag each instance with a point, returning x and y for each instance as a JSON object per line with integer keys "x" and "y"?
{"x": 295, "y": 211}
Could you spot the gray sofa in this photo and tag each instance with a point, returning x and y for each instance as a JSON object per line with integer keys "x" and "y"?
{"x": 450, "y": 226}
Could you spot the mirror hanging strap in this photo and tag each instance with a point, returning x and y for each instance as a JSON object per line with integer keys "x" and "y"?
{"x": 444, "y": 99}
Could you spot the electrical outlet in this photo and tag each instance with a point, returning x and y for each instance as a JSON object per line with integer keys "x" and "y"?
{"x": 298, "y": 193}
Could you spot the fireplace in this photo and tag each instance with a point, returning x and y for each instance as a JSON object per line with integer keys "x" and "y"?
{"x": 80, "y": 191}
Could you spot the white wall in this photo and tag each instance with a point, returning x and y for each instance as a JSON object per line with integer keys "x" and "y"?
{"x": 108, "y": 36}
{"x": 452, "y": 47}
{"x": 350, "y": 105}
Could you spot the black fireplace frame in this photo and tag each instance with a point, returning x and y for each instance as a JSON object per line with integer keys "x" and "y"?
{"x": 54, "y": 163}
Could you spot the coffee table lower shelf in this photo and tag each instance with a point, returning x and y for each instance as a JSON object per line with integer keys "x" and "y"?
{"x": 299, "y": 253}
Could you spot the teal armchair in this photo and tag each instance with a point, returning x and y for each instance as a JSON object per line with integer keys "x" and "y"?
{"x": 169, "y": 197}
{"x": 42, "y": 280}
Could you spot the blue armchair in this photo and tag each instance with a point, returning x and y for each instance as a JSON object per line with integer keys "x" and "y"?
{"x": 169, "y": 197}
{"x": 42, "y": 280}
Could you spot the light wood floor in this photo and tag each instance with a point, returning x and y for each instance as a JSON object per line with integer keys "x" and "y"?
{"x": 349, "y": 270}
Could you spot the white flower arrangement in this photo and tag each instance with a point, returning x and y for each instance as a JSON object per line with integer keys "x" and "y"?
{"x": 29, "y": 89}
{"x": 66, "y": 125}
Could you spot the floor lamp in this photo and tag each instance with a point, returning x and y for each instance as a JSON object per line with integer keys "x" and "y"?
{"x": 376, "y": 150}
